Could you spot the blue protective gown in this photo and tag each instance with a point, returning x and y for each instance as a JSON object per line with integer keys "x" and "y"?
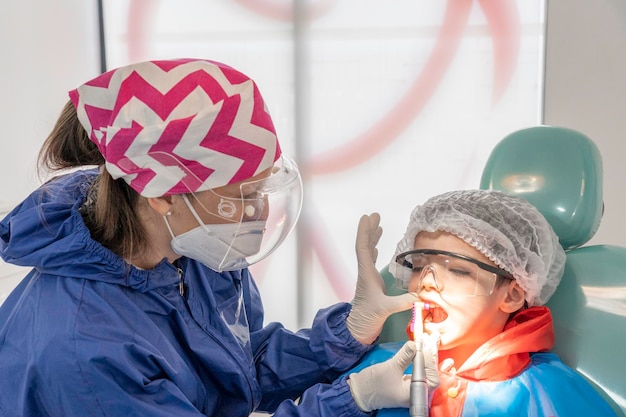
{"x": 502, "y": 379}
{"x": 87, "y": 334}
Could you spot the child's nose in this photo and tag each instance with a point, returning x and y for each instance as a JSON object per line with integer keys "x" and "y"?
{"x": 428, "y": 279}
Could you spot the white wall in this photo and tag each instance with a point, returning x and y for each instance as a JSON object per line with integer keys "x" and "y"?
{"x": 50, "y": 47}
{"x": 585, "y": 89}
{"x": 47, "y": 48}
{"x": 364, "y": 59}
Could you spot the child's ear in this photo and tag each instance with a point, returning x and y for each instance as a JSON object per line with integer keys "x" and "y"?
{"x": 514, "y": 299}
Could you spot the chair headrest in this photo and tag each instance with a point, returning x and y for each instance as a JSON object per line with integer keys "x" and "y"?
{"x": 559, "y": 171}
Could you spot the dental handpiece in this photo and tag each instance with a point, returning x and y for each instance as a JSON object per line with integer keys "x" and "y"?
{"x": 419, "y": 389}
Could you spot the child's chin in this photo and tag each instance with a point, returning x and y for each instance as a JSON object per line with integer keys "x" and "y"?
{"x": 431, "y": 328}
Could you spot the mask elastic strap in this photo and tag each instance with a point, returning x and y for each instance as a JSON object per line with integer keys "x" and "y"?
{"x": 169, "y": 228}
{"x": 195, "y": 213}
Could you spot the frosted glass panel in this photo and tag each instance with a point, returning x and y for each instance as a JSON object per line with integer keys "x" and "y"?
{"x": 381, "y": 105}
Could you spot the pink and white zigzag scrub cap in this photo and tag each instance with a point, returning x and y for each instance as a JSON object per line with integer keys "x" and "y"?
{"x": 159, "y": 122}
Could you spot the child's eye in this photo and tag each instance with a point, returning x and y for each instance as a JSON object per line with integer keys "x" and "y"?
{"x": 407, "y": 264}
{"x": 460, "y": 272}
{"x": 417, "y": 268}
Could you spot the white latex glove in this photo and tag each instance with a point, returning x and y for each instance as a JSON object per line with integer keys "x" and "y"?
{"x": 371, "y": 306}
{"x": 384, "y": 384}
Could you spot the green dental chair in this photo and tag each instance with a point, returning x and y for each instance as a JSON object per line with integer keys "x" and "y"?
{"x": 559, "y": 170}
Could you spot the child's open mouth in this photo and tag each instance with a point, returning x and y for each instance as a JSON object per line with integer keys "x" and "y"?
{"x": 434, "y": 314}
{"x": 430, "y": 313}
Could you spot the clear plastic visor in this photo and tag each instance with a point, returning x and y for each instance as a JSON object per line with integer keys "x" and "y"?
{"x": 266, "y": 210}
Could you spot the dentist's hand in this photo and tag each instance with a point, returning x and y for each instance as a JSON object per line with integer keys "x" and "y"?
{"x": 384, "y": 385}
{"x": 371, "y": 306}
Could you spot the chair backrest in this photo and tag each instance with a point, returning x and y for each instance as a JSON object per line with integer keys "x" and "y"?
{"x": 394, "y": 329}
{"x": 556, "y": 169}
{"x": 560, "y": 171}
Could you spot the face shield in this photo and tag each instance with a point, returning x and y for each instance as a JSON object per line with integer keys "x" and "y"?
{"x": 251, "y": 219}
{"x": 272, "y": 204}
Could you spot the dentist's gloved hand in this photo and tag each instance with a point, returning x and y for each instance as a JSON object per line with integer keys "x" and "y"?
{"x": 385, "y": 385}
{"x": 371, "y": 306}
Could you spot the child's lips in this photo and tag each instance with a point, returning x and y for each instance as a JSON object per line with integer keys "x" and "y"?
{"x": 432, "y": 314}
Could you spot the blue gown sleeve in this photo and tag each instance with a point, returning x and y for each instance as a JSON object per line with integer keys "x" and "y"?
{"x": 297, "y": 371}
{"x": 323, "y": 400}
{"x": 289, "y": 363}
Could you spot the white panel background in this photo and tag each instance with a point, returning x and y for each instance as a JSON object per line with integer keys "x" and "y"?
{"x": 50, "y": 47}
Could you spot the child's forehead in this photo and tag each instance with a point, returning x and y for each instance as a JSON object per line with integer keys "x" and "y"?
{"x": 442, "y": 240}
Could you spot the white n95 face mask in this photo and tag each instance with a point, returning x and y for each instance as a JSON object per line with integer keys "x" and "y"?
{"x": 253, "y": 223}
{"x": 221, "y": 247}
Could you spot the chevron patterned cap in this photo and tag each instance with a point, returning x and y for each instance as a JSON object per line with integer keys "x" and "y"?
{"x": 178, "y": 126}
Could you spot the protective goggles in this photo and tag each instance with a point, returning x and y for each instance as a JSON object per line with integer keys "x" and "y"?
{"x": 452, "y": 273}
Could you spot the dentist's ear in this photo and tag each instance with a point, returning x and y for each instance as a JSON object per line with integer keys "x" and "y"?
{"x": 162, "y": 205}
{"x": 514, "y": 299}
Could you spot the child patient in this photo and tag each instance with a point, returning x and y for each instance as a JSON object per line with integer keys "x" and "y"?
{"x": 484, "y": 264}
